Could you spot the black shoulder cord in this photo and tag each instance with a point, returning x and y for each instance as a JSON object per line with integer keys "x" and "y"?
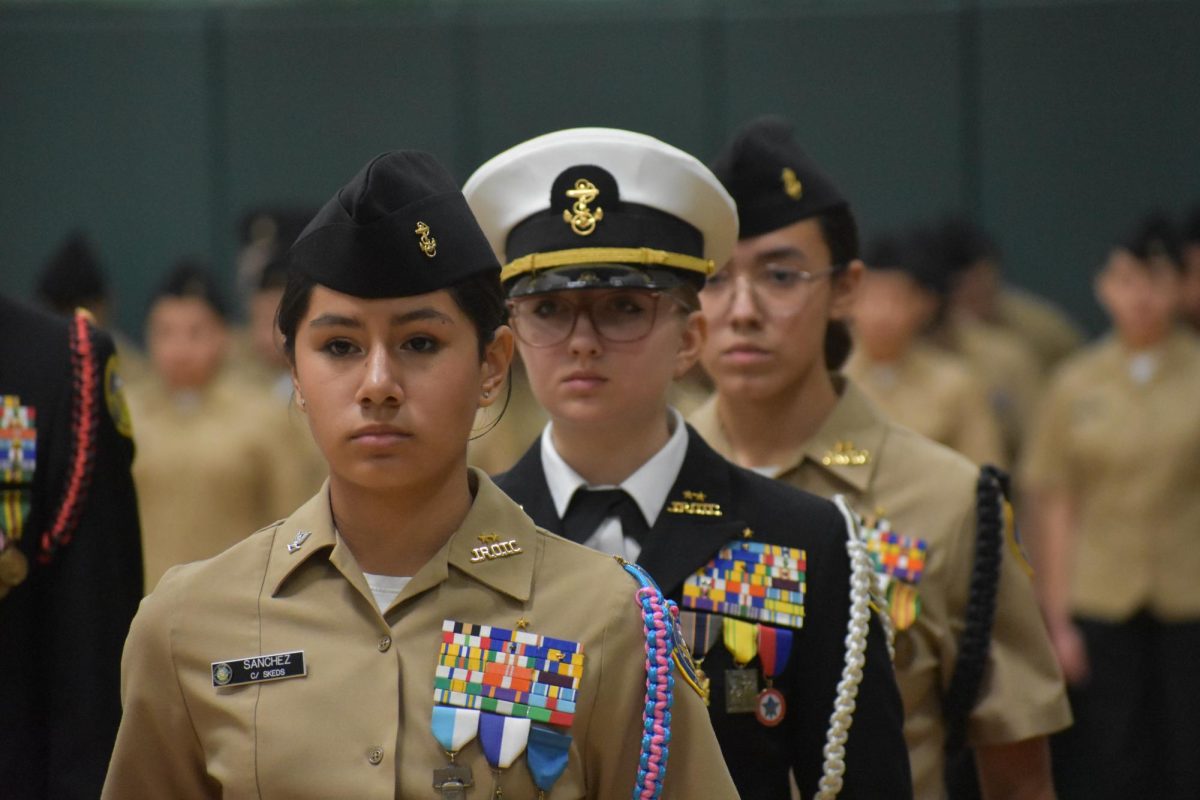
{"x": 991, "y": 490}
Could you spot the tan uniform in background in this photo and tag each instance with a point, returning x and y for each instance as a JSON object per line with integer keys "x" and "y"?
{"x": 1010, "y": 373}
{"x": 1045, "y": 329}
{"x": 358, "y": 725}
{"x": 924, "y": 491}
{"x": 499, "y": 448}
{"x": 1129, "y": 455}
{"x": 209, "y": 467}
{"x": 937, "y": 395}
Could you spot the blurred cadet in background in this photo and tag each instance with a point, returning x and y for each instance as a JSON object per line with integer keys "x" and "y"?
{"x": 1003, "y": 361}
{"x": 1190, "y": 309}
{"x": 209, "y": 465}
{"x": 74, "y": 278}
{"x": 1113, "y": 470}
{"x": 978, "y": 292}
{"x": 70, "y": 557}
{"x": 972, "y": 660}
{"x": 916, "y": 384}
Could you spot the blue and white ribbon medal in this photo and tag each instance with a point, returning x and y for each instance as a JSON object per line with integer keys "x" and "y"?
{"x": 454, "y": 728}
{"x": 547, "y": 757}
{"x": 503, "y": 740}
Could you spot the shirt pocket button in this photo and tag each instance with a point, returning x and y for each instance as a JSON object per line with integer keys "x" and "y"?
{"x": 375, "y": 754}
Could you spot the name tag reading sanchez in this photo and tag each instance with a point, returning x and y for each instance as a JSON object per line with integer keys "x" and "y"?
{"x": 257, "y": 669}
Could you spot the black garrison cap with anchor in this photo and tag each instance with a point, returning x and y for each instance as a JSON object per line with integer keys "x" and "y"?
{"x": 592, "y": 208}
{"x": 400, "y": 227}
{"x": 773, "y": 181}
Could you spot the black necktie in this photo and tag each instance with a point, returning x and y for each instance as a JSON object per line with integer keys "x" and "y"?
{"x": 590, "y": 507}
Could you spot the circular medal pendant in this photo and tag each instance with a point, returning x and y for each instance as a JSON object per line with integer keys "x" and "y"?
{"x": 13, "y": 567}
{"x": 770, "y": 708}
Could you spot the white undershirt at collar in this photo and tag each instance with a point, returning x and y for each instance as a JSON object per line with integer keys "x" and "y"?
{"x": 649, "y": 485}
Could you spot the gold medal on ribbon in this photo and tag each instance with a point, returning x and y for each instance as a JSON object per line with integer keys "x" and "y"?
{"x": 741, "y": 684}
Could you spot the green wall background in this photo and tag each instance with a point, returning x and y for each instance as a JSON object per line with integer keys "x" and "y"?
{"x": 155, "y": 126}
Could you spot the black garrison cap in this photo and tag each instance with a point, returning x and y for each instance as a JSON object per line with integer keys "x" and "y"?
{"x": 189, "y": 279}
{"x": 1153, "y": 237}
{"x": 72, "y": 277}
{"x": 400, "y": 227}
{"x": 916, "y": 253}
{"x": 772, "y": 179}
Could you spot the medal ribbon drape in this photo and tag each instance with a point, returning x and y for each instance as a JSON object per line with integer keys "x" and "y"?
{"x": 547, "y": 756}
{"x": 503, "y": 739}
{"x": 454, "y": 728}
{"x": 741, "y": 640}
{"x": 774, "y": 650}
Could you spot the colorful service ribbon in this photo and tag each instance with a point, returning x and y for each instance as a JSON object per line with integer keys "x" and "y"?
{"x": 511, "y": 673}
{"x": 751, "y": 580}
{"x": 896, "y": 556}
{"x": 700, "y": 631}
{"x": 547, "y": 755}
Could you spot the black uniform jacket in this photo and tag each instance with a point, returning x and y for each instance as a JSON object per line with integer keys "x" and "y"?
{"x": 679, "y": 544}
{"x": 62, "y": 629}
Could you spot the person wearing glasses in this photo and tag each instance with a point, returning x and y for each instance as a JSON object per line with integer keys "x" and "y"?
{"x": 777, "y": 336}
{"x": 408, "y": 632}
{"x": 607, "y": 236}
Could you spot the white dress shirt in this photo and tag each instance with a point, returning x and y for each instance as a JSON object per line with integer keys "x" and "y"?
{"x": 649, "y": 486}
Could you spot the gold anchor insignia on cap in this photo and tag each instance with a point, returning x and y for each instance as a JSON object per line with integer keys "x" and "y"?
{"x": 428, "y": 243}
{"x": 581, "y": 218}
{"x": 844, "y": 454}
{"x": 298, "y": 542}
{"x": 791, "y": 184}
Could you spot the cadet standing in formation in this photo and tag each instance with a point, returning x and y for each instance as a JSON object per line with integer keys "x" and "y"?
{"x": 1113, "y": 469}
{"x": 607, "y": 235}
{"x": 70, "y": 552}
{"x": 913, "y": 382}
{"x": 776, "y": 324}
{"x": 408, "y": 632}
{"x": 213, "y": 462}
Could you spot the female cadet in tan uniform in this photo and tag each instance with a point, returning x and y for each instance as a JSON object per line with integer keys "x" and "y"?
{"x": 773, "y": 327}
{"x": 1114, "y": 473}
{"x": 408, "y": 630}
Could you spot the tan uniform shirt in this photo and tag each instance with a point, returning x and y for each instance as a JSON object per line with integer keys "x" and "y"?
{"x": 1128, "y": 453}
{"x": 927, "y": 492}
{"x": 358, "y": 725}
{"x": 935, "y": 394}
{"x": 1045, "y": 329}
{"x": 207, "y": 470}
{"x": 1009, "y": 372}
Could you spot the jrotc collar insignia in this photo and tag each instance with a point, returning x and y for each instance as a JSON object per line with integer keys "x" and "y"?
{"x": 581, "y": 218}
{"x": 492, "y": 547}
{"x": 751, "y": 580}
{"x": 696, "y": 504}
{"x": 792, "y": 186}
{"x": 427, "y": 242}
{"x": 298, "y": 542}
{"x": 845, "y": 454}
{"x": 258, "y": 669}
